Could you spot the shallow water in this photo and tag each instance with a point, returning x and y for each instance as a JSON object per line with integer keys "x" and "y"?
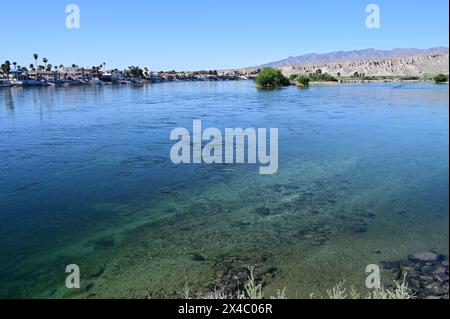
{"x": 86, "y": 178}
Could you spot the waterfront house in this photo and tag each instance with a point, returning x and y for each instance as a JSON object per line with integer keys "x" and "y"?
{"x": 43, "y": 75}
{"x": 117, "y": 76}
{"x": 73, "y": 73}
{"x": 114, "y": 76}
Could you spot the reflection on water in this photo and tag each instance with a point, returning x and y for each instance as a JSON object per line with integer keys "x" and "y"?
{"x": 86, "y": 178}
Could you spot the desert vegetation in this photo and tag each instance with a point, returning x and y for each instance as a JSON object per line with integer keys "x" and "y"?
{"x": 252, "y": 289}
{"x": 318, "y": 76}
{"x": 440, "y": 78}
{"x": 302, "y": 80}
{"x": 271, "y": 78}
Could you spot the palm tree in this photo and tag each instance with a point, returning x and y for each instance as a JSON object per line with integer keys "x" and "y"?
{"x": 6, "y": 67}
{"x": 45, "y": 60}
{"x": 36, "y": 56}
{"x": 31, "y": 66}
{"x": 15, "y": 65}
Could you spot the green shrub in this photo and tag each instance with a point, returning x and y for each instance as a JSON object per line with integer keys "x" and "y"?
{"x": 322, "y": 77}
{"x": 440, "y": 78}
{"x": 302, "y": 80}
{"x": 409, "y": 78}
{"x": 271, "y": 78}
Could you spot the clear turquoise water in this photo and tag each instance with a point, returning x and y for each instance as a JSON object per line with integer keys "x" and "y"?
{"x": 86, "y": 178}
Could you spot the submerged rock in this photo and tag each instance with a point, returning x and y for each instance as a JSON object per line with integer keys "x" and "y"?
{"x": 424, "y": 256}
{"x": 426, "y": 279}
{"x": 359, "y": 228}
{"x": 97, "y": 272}
{"x": 390, "y": 265}
{"x": 266, "y": 256}
{"x": 410, "y": 271}
{"x": 103, "y": 242}
{"x": 89, "y": 286}
{"x": 415, "y": 284}
{"x": 435, "y": 289}
{"x": 270, "y": 270}
{"x": 437, "y": 270}
{"x": 263, "y": 211}
{"x": 442, "y": 277}
{"x": 425, "y": 272}
{"x": 371, "y": 215}
{"x": 198, "y": 257}
{"x": 232, "y": 273}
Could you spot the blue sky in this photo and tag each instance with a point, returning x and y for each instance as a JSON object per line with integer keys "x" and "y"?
{"x": 212, "y": 34}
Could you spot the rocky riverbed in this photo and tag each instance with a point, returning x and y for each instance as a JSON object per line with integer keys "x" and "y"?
{"x": 231, "y": 274}
{"x": 425, "y": 272}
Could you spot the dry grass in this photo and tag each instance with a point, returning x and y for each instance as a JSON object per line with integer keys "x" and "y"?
{"x": 253, "y": 290}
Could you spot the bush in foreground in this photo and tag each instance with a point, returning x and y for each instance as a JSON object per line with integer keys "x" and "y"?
{"x": 322, "y": 77}
{"x": 302, "y": 80}
{"x": 440, "y": 78}
{"x": 253, "y": 290}
{"x": 271, "y": 78}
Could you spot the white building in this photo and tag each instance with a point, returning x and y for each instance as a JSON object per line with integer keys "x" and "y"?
{"x": 74, "y": 73}
{"x": 117, "y": 75}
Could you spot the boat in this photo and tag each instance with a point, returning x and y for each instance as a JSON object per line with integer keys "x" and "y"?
{"x": 75, "y": 82}
{"x": 59, "y": 83}
{"x": 31, "y": 82}
{"x": 96, "y": 81}
{"x": 5, "y": 83}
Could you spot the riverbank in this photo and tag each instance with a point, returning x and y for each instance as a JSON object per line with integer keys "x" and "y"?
{"x": 164, "y": 77}
{"x": 128, "y": 81}
{"x": 423, "y": 275}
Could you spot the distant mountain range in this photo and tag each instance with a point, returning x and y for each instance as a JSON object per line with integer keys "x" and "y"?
{"x": 365, "y": 54}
